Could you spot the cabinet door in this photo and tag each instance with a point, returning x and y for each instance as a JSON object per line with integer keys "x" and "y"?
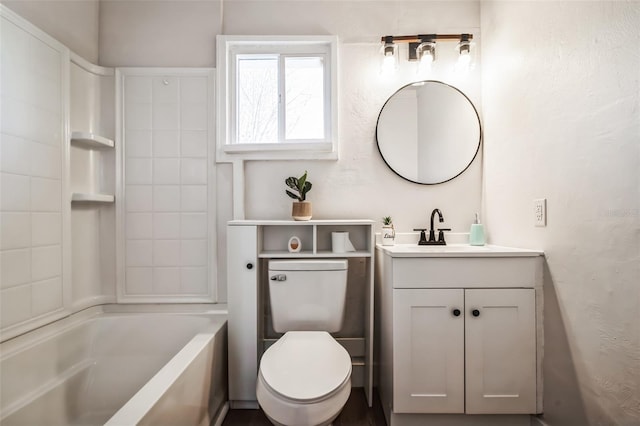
{"x": 500, "y": 351}
{"x": 242, "y": 299}
{"x": 428, "y": 365}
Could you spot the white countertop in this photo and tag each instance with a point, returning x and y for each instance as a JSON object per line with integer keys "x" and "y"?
{"x": 276, "y": 222}
{"x": 455, "y": 250}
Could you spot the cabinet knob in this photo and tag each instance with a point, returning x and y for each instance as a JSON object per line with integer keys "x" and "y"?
{"x": 456, "y": 312}
{"x": 475, "y": 313}
{"x": 249, "y": 265}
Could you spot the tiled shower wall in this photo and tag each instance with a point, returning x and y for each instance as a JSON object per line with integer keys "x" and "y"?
{"x": 34, "y": 206}
{"x": 168, "y": 186}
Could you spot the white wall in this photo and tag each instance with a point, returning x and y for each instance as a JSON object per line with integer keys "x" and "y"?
{"x": 173, "y": 33}
{"x": 167, "y": 253}
{"x": 561, "y": 101}
{"x": 73, "y": 23}
{"x": 34, "y": 213}
{"x": 359, "y": 185}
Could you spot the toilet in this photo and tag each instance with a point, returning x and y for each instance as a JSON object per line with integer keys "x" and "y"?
{"x": 305, "y": 377}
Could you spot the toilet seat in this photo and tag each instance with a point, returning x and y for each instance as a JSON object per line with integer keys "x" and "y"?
{"x": 305, "y": 367}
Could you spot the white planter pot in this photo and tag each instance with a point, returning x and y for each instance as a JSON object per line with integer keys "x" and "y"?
{"x": 388, "y": 236}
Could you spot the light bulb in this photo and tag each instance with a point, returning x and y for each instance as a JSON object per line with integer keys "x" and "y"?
{"x": 464, "y": 59}
{"x": 388, "y": 64}
{"x": 426, "y": 54}
{"x": 425, "y": 62}
{"x": 389, "y": 53}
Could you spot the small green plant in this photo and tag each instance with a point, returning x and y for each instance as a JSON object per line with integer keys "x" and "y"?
{"x": 387, "y": 221}
{"x": 301, "y": 185}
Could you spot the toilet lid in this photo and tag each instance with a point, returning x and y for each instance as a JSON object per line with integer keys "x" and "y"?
{"x": 305, "y": 365}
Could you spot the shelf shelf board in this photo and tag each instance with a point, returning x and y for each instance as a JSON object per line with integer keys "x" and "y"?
{"x": 312, "y": 222}
{"x": 284, "y": 253}
{"x": 91, "y": 140}
{"x": 357, "y": 253}
{"x": 266, "y": 254}
{"x": 82, "y": 197}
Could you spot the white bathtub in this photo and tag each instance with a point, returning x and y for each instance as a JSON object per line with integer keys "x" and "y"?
{"x": 118, "y": 365}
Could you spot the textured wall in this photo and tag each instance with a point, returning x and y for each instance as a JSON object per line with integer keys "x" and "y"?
{"x": 171, "y": 33}
{"x": 561, "y": 101}
{"x": 359, "y": 185}
{"x": 73, "y": 23}
{"x": 561, "y": 97}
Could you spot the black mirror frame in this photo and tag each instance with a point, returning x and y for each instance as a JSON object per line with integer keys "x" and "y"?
{"x": 479, "y": 126}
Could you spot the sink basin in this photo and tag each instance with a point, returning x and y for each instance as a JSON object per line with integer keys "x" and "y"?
{"x": 455, "y": 250}
{"x": 451, "y": 248}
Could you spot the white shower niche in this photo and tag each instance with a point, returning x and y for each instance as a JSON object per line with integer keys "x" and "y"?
{"x": 250, "y": 246}
{"x": 92, "y": 130}
{"x": 92, "y": 178}
{"x": 88, "y": 167}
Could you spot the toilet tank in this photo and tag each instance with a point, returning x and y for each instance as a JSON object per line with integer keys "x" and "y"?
{"x": 307, "y": 295}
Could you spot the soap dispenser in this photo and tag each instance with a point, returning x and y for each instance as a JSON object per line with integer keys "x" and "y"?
{"x": 476, "y": 233}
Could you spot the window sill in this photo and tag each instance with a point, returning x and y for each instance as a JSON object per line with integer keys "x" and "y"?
{"x": 280, "y": 151}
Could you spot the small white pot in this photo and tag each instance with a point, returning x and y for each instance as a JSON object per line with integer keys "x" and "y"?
{"x": 388, "y": 235}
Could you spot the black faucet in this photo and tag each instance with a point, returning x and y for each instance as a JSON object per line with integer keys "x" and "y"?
{"x": 432, "y": 235}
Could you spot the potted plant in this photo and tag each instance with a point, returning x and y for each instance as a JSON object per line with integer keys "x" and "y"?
{"x": 301, "y": 209}
{"x": 388, "y": 231}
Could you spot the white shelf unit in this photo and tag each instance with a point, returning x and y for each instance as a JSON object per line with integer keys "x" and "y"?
{"x": 82, "y": 197}
{"x": 91, "y": 140}
{"x": 250, "y": 246}
{"x": 315, "y": 237}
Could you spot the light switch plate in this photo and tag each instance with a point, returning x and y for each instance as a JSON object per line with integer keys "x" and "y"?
{"x": 540, "y": 212}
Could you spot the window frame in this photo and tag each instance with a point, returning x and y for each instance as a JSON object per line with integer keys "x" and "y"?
{"x": 229, "y": 48}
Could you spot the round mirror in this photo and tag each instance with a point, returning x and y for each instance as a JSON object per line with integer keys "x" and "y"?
{"x": 428, "y": 132}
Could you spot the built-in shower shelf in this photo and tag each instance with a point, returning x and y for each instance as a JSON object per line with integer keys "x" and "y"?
{"x": 83, "y": 197}
{"x": 91, "y": 140}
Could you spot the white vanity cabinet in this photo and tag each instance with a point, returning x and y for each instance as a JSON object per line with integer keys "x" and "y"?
{"x": 428, "y": 343}
{"x": 460, "y": 333}
{"x": 500, "y": 351}
{"x": 250, "y": 246}
{"x": 434, "y": 347}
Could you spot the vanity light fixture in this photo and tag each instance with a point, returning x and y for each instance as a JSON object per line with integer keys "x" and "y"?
{"x": 389, "y": 52}
{"x": 464, "y": 49}
{"x": 422, "y": 48}
{"x": 426, "y": 54}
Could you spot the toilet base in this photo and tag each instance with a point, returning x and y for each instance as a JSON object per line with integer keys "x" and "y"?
{"x": 282, "y": 412}
{"x": 275, "y": 423}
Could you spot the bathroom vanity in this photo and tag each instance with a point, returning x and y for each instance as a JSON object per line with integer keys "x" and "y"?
{"x": 460, "y": 333}
{"x": 250, "y": 246}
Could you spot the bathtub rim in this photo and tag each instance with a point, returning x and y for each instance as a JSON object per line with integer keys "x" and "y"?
{"x": 25, "y": 340}
{"x": 51, "y": 331}
{"x": 132, "y": 411}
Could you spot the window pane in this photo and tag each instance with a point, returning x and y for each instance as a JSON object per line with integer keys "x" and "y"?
{"x": 257, "y": 100}
{"x": 304, "y": 82}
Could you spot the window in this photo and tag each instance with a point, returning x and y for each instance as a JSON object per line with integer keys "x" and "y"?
{"x": 277, "y": 97}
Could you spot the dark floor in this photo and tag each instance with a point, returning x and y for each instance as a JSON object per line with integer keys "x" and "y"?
{"x": 355, "y": 413}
